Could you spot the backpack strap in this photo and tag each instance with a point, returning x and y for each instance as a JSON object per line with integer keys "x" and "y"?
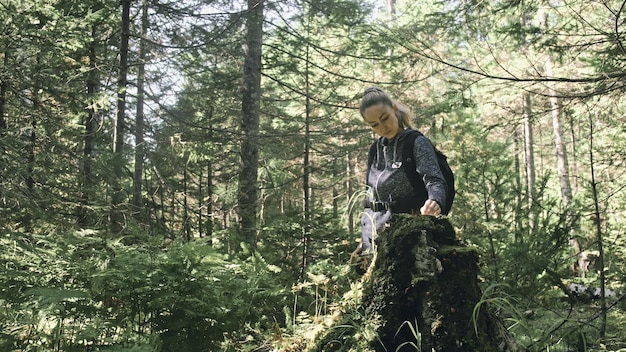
{"x": 370, "y": 160}
{"x": 371, "y": 154}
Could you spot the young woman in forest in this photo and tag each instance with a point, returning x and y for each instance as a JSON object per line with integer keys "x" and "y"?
{"x": 389, "y": 190}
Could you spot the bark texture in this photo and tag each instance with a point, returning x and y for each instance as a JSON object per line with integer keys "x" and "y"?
{"x": 250, "y": 110}
{"x": 425, "y": 280}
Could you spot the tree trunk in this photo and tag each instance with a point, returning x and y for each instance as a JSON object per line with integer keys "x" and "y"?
{"x": 247, "y": 198}
{"x": 86, "y": 173}
{"x": 349, "y": 176}
{"x": 209, "y": 202}
{"x": 561, "y": 159}
{"x": 598, "y": 221}
{"x": 422, "y": 294}
{"x": 200, "y": 203}
{"x": 519, "y": 200}
{"x": 306, "y": 175}
{"x": 573, "y": 141}
{"x": 186, "y": 226}
{"x": 4, "y": 87}
{"x": 139, "y": 122}
{"x": 529, "y": 152}
{"x": 561, "y": 152}
{"x": 32, "y": 135}
{"x": 31, "y": 140}
{"x": 118, "y": 137}
{"x": 391, "y": 8}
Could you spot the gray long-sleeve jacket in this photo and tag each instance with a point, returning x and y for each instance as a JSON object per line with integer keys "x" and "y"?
{"x": 387, "y": 181}
{"x": 388, "y": 184}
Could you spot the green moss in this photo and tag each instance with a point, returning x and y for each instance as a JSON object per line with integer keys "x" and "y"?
{"x": 422, "y": 276}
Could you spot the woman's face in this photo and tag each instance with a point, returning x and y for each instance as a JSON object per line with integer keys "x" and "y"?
{"x": 383, "y": 120}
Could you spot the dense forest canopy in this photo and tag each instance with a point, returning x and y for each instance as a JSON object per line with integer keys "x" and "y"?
{"x": 187, "y": 175}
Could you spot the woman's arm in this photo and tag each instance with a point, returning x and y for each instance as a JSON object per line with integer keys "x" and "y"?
{"x": 427, "y": 166}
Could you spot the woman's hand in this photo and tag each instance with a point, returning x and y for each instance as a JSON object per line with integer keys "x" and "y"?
{"x": 430, "y": 207}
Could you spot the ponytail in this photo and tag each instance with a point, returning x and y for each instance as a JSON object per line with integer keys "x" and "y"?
{"x": 404, "y": 117}
{"x": 375, "y": 96}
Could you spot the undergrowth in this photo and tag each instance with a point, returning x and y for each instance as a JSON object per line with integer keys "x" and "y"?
{"x": 79, "y": 291}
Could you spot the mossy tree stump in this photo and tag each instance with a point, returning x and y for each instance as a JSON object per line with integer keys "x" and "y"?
{"x": 425, "y": 280}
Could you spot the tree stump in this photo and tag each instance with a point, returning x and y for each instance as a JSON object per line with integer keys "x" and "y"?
{"x": 422, "y": 294}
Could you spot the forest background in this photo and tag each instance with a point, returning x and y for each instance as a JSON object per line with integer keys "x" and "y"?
{"x": 186, "y": 175}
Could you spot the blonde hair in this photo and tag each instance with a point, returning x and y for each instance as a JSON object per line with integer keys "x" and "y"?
{"x": 375, "y": 96}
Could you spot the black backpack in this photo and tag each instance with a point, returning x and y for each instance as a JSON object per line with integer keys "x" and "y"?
{"x": 408, "y": 164}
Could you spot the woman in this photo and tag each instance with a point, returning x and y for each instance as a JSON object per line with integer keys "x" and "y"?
{"x": 389, "y": 190}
